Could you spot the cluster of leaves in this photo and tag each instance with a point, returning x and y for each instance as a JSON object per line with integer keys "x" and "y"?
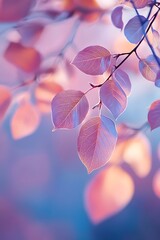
{"x": 100, "y": 138}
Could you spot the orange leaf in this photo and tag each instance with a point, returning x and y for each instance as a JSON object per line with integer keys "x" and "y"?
{"x": 137, "y": 154}
{"x": 25, "y": 58}
{"x": 108, "y": 193}
{"x": 45, "y": 92}
{"x": 25, "y": 120}
{"x": 5, "y": 100}
{"x": 156, "y": 183}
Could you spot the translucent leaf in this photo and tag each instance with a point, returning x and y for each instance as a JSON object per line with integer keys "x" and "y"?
{"x": 25, "y": 120}
{"x": 149, "y": 68}
{"x": 5, "y": 100}
{"x": 108, "y": 193}
{"x": 123, "y": 80}
{"x": 117, "y": 17}
{"x": 156, "y": 38}
{"x": 135, "y": 29}
{"x": 156, "y": 183}
{"x": 137, "y": 153}
{"x": 69, "y": 109}
{"x": 154, "y": 115}
{"x": 113, "y": 97}
{"x": 93, "y": 60}
{"x": 44, "y": 93}
{"x": 96, "y": 142}
{"x": 25, "y": 58}
{"x": 11, "y": 11}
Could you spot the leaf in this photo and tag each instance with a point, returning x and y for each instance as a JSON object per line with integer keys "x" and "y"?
{"x": 30, "y": 32}
{"x": 108, "y": 193}
{"x": 5, "y": 101}
{"x": 44, "y": 93}
{"x": 157, "y": 82}
{"x": 156, "y": 183}
{"x": 116, "y": 17}
{"x": 96, "y": 142}
{"x": 113, "y": 97}
{"x": 123, "y": 80}
{"x": 135, "y": 29}
{"x": 25, "y": 58}
{"x": 137, "y": 153}
{"x": 93, "y": 60}
{"x": 69, "y": 109}
{"x": 24, "y": 121}
{"x": 154, "y": 115}
{"x": 11, "y": 11}
{"x": 149, "y": 68}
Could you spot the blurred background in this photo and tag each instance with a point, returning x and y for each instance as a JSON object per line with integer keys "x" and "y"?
{"x": 43, "y": 183}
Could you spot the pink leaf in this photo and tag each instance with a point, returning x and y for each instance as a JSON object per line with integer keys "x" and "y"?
{"x": 69, "y": 109}
{"x": 154, "y": 115}
{"x": 24, "y": 121}
{"x": 123, "y": 80}
{"x": 96, "y": 142}
{"x": 149, "y": 68}
{"x": 113, "y": 97}
{"x": 5, "y": 100}
{"x": 140, "y": 3}
{"x": 117, "y": 17}
{"x": 25, "y": 58}
{"x": 108, "y": 193}
{"x": 11, "y": 11}
{"x": 135, "y": 29}
{"x": 93, "y": 60}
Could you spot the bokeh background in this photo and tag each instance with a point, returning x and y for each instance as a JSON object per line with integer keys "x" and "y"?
{"x": 42, "y": 180}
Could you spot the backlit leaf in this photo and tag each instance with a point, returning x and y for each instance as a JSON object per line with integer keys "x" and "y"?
{"x": 149, "y": 68}
{"x": 5, "y": 100}
{"x": 123, "y": 80}
{"x": 93, "y": 60}
{"x": 108, "y": 193}
{"x": 25, "y": 58}
{"x": 137, "y": 153}
{"x": 25, "y": 120}
{"x": 117, "y": 17}
{"x": 156, "y": 183}
{"x": 135, "y": 29}
{"x": 154, "y": 115}
{"x": 96, "y": 142}
{"x": 69, "y": 109}
{"x": 113, "y": 97}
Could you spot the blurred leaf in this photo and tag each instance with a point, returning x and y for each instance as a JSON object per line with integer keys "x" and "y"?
{"x": 156, "y": 183}
{"x": 154, "y": 115}
{"x": 5, "y": 100}
{"x": 113, "y": 97}
{"x": 116, "y": 17}
{"x": 96, "y": 142}
{"x": 25, "y": 120}
{"x": 25, "y": 58}
{"x": 93, "y": 60}
{"x": 69, "y": 109}
{"x": 44, "y": 93}
{"x": 108, "y": 193}
{"x": 11, "y": 11}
